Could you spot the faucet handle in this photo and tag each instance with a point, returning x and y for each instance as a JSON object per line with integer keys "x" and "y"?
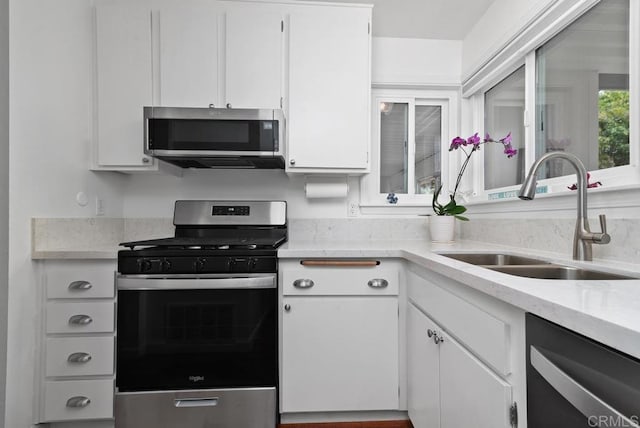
{"x": 603, "y": 237}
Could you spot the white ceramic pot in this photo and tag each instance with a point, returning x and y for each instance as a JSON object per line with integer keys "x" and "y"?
{"x": 442, "y": 228}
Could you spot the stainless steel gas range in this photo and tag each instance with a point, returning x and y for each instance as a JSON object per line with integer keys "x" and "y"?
{"x": 197, "y": 319}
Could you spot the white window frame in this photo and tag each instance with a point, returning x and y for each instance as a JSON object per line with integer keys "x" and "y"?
{"x": 618, "y": 181}
{"x": 374, "y": 202}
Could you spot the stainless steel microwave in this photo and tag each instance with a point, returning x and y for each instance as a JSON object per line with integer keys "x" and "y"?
{"x": 215, "y": 137}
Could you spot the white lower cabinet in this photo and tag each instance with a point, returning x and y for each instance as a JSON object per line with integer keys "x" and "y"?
{"x": 449, "y": 387}
{"x": 423, "y": 371}
{"x": 464, "y": 356}
{"x": 78, "y": 400}
{"x": 339, "y": 339}
{"x": 78, "y": 341}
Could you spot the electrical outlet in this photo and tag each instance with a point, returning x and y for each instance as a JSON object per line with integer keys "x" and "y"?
{"x": 99, "y": 206}
{"x": 353, "y": 209}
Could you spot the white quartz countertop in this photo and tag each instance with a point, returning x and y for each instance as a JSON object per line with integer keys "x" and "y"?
{"x": 607, "y": 311}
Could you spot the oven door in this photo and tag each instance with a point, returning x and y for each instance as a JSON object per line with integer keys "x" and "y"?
{"x": 196, "y": 332}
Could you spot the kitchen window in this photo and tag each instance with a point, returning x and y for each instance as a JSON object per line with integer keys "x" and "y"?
{"x": 573, "y": 87}
{"x": 504, "y": 107}
{"x": 411, "y": 132}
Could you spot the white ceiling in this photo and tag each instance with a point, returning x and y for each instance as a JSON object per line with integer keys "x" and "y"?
{"x": 424, "y": 19}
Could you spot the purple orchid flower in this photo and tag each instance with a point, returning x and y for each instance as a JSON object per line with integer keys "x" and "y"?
{"x": 474, "y": 140}
{"x": 507, "y": 139}
{"x": 457, "y": 142}
{"x": 510, "y": 151}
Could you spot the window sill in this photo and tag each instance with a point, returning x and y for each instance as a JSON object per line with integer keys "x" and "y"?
{"x": 605, "y": 198}
{"x": 389, "y": 209}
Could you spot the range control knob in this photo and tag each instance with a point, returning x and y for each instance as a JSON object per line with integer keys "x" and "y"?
{"x": 200, "y": 264}
{"x": 252, "y": 263}
{"x": 144, "y": 265}
{"x": 165, "y": 265}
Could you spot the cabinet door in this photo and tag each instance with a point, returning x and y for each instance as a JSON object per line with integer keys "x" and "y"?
{"x": 329, "y": 88}
{"x": 423, "y": 368}
{"x": 339, "y": 354}
{"x": 470, "y": 393}
{"x": 188, "y": 44}
{"x": 253, "y": 55}
{"x": 123, "y": 39}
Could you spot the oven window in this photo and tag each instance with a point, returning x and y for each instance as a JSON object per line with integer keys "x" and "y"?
{"x": 185, "y": 339}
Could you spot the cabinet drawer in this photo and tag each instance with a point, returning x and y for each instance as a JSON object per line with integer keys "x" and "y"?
{"x": 79, "y": 356}
{"x": 486, "y": 336}
{"x": 59, "y": 399}
{"x": 81, "y": 317}
{"x": 340, "y": 281}
{"x": 79, "y": 280}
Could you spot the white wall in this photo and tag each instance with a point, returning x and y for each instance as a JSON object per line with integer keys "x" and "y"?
{"x": 4, "y": 193}
{"x": 416, "y": 61}
{"x": 50, "y": 104}
{"x": 502, "y": 21}
{"x": 154, "y": 195}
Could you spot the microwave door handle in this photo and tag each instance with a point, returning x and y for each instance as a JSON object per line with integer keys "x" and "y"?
{"x": 581, "y": 398}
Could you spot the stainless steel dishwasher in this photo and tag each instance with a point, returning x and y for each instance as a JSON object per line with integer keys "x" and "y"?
{"x": 573, "y": 381}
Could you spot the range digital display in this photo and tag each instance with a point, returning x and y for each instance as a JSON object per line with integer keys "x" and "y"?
{"x": 231, "y": 210}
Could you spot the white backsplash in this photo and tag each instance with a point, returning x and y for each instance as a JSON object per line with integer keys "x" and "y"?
{"x": 556, "y": 235}
{"x": 357, "y": 229}
{"x": 553, "y": 235}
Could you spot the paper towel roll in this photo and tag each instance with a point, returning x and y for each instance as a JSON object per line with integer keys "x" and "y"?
{"x": 326, "y": 190}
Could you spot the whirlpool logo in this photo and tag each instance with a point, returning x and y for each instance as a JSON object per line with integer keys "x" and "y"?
{"x": 195, "y": 379}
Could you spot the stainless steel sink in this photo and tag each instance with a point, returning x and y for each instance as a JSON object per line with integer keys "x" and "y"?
{"x": 494, "y": 259}
{"x": 557, "y": 272}
{"x": 530, "y": 267}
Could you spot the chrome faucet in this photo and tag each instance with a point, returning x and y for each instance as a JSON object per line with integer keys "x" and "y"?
{"x": 583, "y": 237}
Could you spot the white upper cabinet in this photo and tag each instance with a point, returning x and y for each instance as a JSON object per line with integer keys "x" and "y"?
{"x": 329, "y": 89}
{"x": 123, "y": 86}
{"x": 253, "y": 61}
{"x": 187, "y": 37}
{"x": 311, "y": 60}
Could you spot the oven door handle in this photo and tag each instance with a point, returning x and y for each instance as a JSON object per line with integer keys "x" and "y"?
{"x": 186, "y": 282}
{"x": 589, "y": 404}
{"x": 195, "y": 402}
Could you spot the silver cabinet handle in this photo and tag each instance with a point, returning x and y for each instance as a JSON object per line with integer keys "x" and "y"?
{"x": 430, "y": 333}
{"x": 292, "y": 161}
{"x": 79, "y": 357}
{"x": 196, "y": 402}
{"x": 303, "y": 283}
{"x": 80, "y": 320}
{"x": 287, "y": 307}
{"x": 78, "y": 402}
{"x": 580, "y": 397}
{"x": 438, "y": 339}
{"x": 80, "y": 286}
{"x": 228, "y": 105}
{"x": 378, "y": 283}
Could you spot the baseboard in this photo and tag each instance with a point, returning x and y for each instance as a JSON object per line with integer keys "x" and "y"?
{"x": 367, "y": 424}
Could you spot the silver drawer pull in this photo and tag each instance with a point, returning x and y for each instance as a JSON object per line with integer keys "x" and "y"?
{"x": 79, "y": 357}
{"x": 80, "y": 320}
{"x": 80, "y": 286}
{"x": 78, "y": 402}
{"x": 303, "y": 283}
{"x": 378, "y": 283}
{"x": 196, "y": 402}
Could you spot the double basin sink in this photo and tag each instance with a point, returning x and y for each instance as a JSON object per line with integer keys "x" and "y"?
{"x": 531, "y": 267}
